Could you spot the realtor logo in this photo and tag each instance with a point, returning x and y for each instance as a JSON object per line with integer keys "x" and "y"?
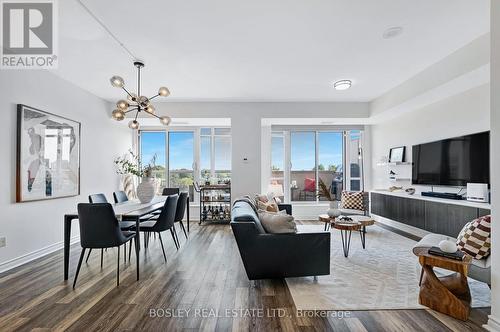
{"x": 28, "y": 34}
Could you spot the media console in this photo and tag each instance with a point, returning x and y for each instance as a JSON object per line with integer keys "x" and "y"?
{"x": 436, "y": 215}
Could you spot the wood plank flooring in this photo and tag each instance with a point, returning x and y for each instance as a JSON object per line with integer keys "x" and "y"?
{"x": 203, "y": 285}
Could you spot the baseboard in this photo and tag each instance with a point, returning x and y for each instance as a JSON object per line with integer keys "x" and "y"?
{"x": 26, "y": 258}
{"x": 493, "y": 324}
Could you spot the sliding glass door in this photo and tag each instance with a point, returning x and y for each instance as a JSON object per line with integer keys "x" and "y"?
{"x": 303, "y": 166}
{"x": 310, "y": 164}
{"x": 330, "y": 165}
{"x": 181, "y": 160}
{"x": 152, "y": 147}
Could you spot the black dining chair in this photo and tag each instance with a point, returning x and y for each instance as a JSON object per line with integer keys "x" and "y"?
{"x": 98, "y": 198}
{"x": 167, "y": 192}
{"x": 165, "y": 221}
{"x": 99, "y": 229}
{"x": 170, "y": 191}
{"x": 120, "y": 196}
{"x": 124, "y": 225}
{"x": 181, "y": 209}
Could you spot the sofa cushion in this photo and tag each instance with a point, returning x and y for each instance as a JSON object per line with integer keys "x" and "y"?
{"x": 352, "y": 200}
{"x": 474, "y": 239}
{"x": 243, "y": 212}
{"x": 277, "y": 223}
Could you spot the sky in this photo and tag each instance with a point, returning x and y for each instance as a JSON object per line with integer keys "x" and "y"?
{"x": 302, "y": 150}
{"x": 181, "y": 150}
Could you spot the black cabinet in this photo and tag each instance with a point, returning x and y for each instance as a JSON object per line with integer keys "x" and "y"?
{"x": 435, "y": 217}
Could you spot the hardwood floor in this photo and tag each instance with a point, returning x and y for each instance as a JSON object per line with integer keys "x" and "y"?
{"x": 201, "y": 280}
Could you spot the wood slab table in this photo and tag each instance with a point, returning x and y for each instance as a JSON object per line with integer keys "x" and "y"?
{"x": 449, "y": 295}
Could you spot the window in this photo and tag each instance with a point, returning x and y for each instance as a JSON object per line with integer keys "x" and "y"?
{"x": 187, "y": 155}
{"x": 330, "y": 161}
{"x": 303, "y": 165}
{"x": 152, "y": 144}
{"x": 277, "y": 164}
{"x": 181, "y": 160}
{"x": 309, "y": 164}
{"x": 215, "y": 154}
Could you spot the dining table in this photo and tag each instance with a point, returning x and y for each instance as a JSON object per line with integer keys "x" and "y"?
{"x": 131, "y": 210}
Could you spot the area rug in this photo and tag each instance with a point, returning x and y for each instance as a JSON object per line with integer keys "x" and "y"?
{"x": 383, "y": 276}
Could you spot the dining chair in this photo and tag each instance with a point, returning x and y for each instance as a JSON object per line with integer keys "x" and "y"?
{"x": 165, "y": 221}
{"x": 124, "y": 224}
{"x": 99, "y": 229}
{"x": 181, "y": 209}
{"x": 170, "y": 191}
{"x": 167, "y": 192}
{"x": 120, "y": 196}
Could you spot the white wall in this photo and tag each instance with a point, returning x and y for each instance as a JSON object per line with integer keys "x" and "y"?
{"x": 494, "y": 321}
{"x": 34, "y": 228}
{"x": 465, "y": 113}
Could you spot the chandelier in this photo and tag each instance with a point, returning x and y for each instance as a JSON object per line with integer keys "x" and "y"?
{"x": 135, "y": 102}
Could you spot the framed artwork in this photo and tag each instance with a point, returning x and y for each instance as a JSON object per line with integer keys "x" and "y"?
{"x": 397, "y": 155}
{"x": 48, "y": 155}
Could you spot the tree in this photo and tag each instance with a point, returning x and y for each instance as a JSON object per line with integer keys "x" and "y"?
{"x": 321, "y": 167}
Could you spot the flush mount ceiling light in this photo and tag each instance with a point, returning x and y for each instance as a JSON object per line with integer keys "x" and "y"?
{"x": 392, "y": 32}
{"x": 135, "y": 101}
{"x": 342, "y": 85}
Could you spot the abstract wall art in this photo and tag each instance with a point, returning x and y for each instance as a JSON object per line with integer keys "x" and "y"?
{"x": 48, "y": 155}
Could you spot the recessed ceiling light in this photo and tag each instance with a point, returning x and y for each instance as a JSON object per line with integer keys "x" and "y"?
{"x": 342, "y": 85}
{"x": 392, "y": 32}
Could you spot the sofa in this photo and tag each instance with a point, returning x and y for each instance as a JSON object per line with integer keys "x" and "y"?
{"x": 479, "y": 269}
{"x": 271, "y": 256}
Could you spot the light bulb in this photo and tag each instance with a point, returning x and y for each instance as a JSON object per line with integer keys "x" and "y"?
{"x": 143, "y": 101}
{"x": 133, "y": 124}
{"x": 122, "y": 104}
{"x": 163, "y": 91}
{"x": 165, "y": 120}
{"x": 132, "y": 97}
{"x": 118, "y": 115}
{"x": 117, "y": 82}
{"x": 150, "y": 109}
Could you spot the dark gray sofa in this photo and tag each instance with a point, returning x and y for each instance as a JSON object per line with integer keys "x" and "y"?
{"x": 268, "y": 256}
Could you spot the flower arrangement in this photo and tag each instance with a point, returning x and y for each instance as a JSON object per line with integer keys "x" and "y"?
{"x": 131, "y": 164}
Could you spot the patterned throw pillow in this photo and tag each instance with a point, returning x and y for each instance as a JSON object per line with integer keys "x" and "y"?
{"x": 474, "y": 239}
{"x": 352, "y": 200}
{"x": 269, "y": 207}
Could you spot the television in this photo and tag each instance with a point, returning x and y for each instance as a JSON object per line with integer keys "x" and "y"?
{"x": 453, "y": 162}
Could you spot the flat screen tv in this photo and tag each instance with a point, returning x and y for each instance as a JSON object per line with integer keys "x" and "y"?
{"x": 453, "y": 162}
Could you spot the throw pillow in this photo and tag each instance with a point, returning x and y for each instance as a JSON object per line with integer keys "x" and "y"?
{"x": 261, "y": 198}
{"x": 352, "y": 200}
{"x": 475, "y": 238}
{"x": 277, "y": 223}
{"x": 269, "y": 207}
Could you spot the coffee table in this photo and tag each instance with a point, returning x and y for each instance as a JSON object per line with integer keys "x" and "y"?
{"x": 449, "y": 294}
{"x": 346, "y": 228}
{"x": 363, "y": 220}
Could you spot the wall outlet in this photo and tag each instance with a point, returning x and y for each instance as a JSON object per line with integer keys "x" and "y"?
{"x": 3, "y": 242}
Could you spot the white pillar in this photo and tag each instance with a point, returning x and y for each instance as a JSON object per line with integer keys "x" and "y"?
{"x": 494, "y": 318}
{"x": 246, "y": 162}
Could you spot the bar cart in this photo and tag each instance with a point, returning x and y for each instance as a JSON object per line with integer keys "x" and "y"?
{"x": 215, "y": 203}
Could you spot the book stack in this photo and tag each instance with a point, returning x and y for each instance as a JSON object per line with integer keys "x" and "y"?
{"x": 458, "y": 255}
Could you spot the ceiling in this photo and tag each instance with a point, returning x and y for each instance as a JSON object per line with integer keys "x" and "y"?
{"x": 261, "y": 50}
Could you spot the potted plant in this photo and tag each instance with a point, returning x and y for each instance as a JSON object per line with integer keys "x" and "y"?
{"x": 324, "y": 191}
{"x": 131, "y": 165}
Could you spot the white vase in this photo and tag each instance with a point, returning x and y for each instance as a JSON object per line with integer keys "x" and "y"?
{"x": 334, "y": 209}
{"x": 146, "y": 190}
